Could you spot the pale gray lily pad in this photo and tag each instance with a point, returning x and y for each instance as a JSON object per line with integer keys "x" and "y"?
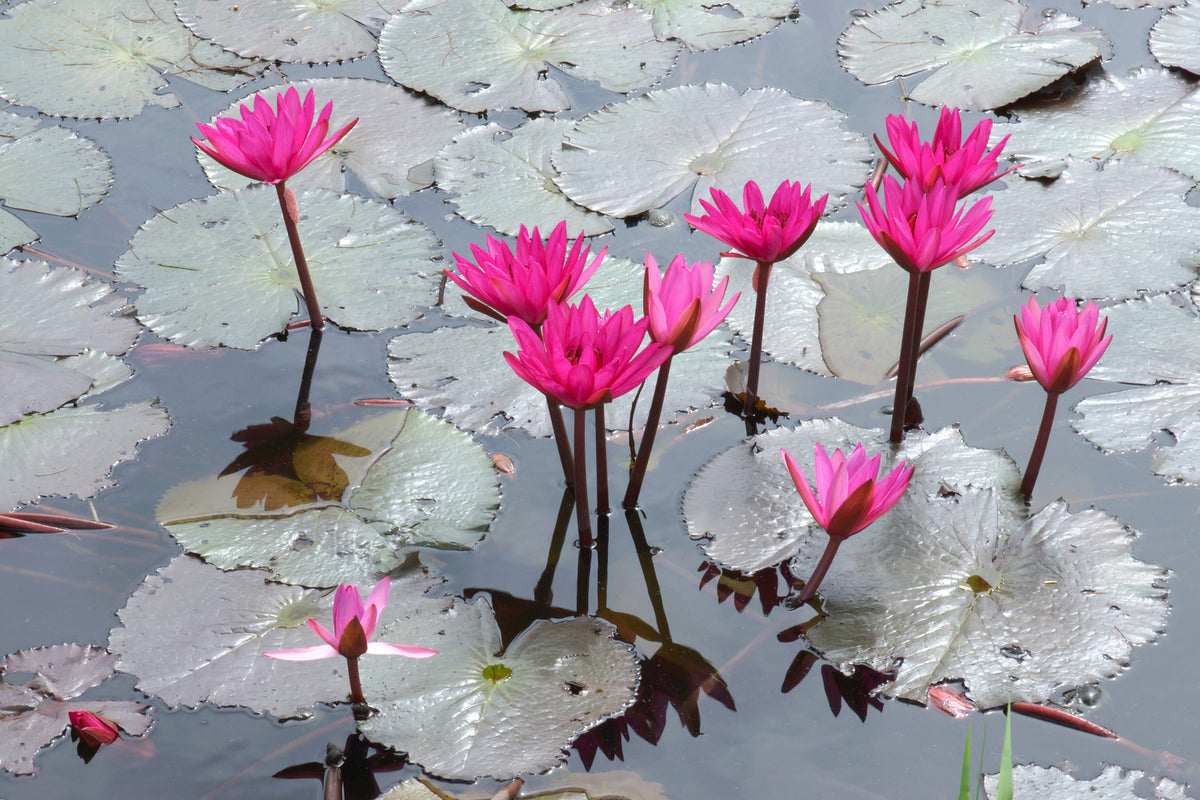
{"x": 778, "y": 526}
{"x": 505, "y": 179}
{"x": 33, "y": 713}
{"x": 423, "y": 484}
{"x": 312, "y": 31}
{"x": 485, "y": 710}
{"x": 1153, "y": 340}
{"x": 48, "y": 314}
{"x": 706, "y": 137}
{"x": 1152, "y": 117}
{"x": 49, "y": 170}
{"x": 703, "y": 25}
{"x": 396, "y": 136}
{"x": 371, "y": 266}
{"x": 105, "y": 371}
{"x": 477, "y": 55}
{"x": 72, "y": 450}
{"x": 601, "y": 786}
{"x": 482, "y": 393}
{"x": 984, "y": 53}
{"x": 965, "y": 588}
{"x": 1114, "y": 783}
{"x": 1175, "y": 38}
{"x": 232, "y": 618}
{"x": 1128, "y": 4}
{"x": 1099, "y": 233}
{"x": 107, "y": 58}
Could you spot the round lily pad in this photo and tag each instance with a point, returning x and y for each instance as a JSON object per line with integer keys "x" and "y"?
{"x": 1175, "y": 38}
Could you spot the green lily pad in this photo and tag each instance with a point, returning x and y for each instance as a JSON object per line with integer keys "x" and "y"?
{"x": 371, "y": 266}
{"x": 48, "y": 314}
{"x": 702, "y": 25}
{"x": 707, "y": 137}
{"x": 36, "y": 712}
{"x": 984, "y": 53}
{"x": 1114, "y": 783}
{"x": 232, "y": 619}
{"x": 477, "y": 55}
{"x": 505, "y": 179}
{"x": 107, "y": 58}
{"x": 421, "y": 483}
{"x": 397, "y": 134}
{"x": 311, "y": 31}
{"x": 71, "y": 451}
{"x": 1175, "y": 38}
{"x": 489, "y": 710}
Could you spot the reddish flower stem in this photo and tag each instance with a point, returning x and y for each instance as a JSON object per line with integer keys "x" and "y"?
{"x": 291, "y": 215}
{"x": 918, "y": 333}
{"x": 762, "y": 274}
{"x": 818, "y": 575}
{"x": 356, "y": 692}
{"x": 643, "y": 454}
{"x": 602, "y": 507}
{"x": 582, "y": 511}
{"x": 904, "y": 374}
{"x": 562, "y": 439}
{"x": 1039, "y": 447}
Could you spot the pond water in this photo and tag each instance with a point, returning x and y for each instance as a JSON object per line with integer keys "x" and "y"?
{"x": 766, "y": 742}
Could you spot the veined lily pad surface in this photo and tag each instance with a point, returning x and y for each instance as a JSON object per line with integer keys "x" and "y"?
{"x": 1114, "y": 783}
{"x": 1175, "y": 39}
{"x": 702, "y": 26}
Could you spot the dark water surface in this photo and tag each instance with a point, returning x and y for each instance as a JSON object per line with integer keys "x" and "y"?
{"x": 67, "y": 588}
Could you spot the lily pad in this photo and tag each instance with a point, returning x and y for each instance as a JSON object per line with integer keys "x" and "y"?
{"x": 505, "y": 179}
{"x": 46, "y": 315}
{"x": 35, "y": 712}
{"x": 707, "y": 137}
{"x": 107, "y": 58}
{"x": 49, "y": 170}
{"x": 477, "y": 55}
{"x": 1150, "y": 117}
{"x": 371, "y": 266}
{"x": 232, "y": 619}
{"x": 1114, "y": 783}
{"x": 312, "y": 31}
{"x": 1099, "y": 233}
{"x": 963, "y": 588}
{"x": 421, "y": 483}
{"x": 702, "y": 25}
{"x": 753, "y": 476}
{"x": 489, "y": 710}
{"x": 396, "y": 135}
{"x": 71, "y": 451}
{"x": 1128, "y": 4}
{"x": 1175, "y": 38}
{"x": 984, "y": 53}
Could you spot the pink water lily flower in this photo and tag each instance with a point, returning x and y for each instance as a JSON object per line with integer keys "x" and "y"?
{"x": 353, "y": 626}
{"x": 92, "y": 729}
{"x": 762, "y": 233}
{"x": 849, "y": 493}
{"x": 922, "y": 230}
{"x": 964, "y": 164}
{"x": 1061, "y": 342}
{"x": 271, "y": 144}
{"x": 524, "y": 284}
{"x": 683, "y": 306}
{"x": 584, "y": 358}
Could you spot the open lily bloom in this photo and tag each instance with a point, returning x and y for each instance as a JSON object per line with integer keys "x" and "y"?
{"x": 922, "y": 230}
{"x": 92, "y": 729}
{"x": 353, "y": 625}
{"x": 1060, "y": 341}
{"x": 502, "y": 284}
{"x": 964, "y": 164}
{"x": 683, "y": 306}
{"x": 271, "y": 144}
{"x": 761, "y": 233}
{"x": 849, "y": 493}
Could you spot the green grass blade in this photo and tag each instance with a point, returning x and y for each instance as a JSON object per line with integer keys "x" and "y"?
{"x": 964, "y": 787}
{"x": 1004, "y": 787}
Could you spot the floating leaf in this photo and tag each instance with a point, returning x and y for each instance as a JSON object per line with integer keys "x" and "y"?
{"x": 1099, "y": 233}
{"x": 1150, "y": 117}
{"x": 312, "y": 31}
{"x": 47, "y": 314}
{"x": 396, "y": 134}
{"x": 35, "y": 712}
{"x": 70, "y": 451}
{"x": 1175, "y": 38}
{"x": 477, "y": 55}
{"x": 1128, "y": 4}
{"x": 985, "y": 53}
{"x": 49, "y": 170}
{"x": 107, "y": 58}
{"x": 702, "y": 25}
{"x": 753, "y": 476}
{"x": 370, "y": 266}
{"x": 1114, "y": 783}
{"x": 965, "y": 588}
{"x": 707, "y": 137}
{"x": 232, "y": 618}
{"x": 602, "y": 786}
{"x": 505, "y": 179}
{"x": 488, "y": 710}
{"x": 424, "y": 484}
